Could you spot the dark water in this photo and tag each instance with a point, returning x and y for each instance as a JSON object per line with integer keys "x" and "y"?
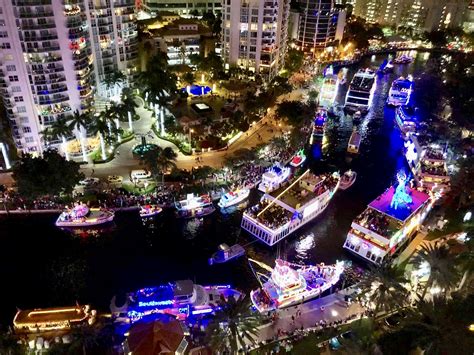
{"x": 41, "y": 265}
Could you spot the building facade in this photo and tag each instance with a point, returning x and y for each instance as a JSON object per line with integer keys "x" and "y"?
{"x": 254, "y": 35}
{"x": 52, "y": 57}
{"x": 181, "y": 7}
{"x": 319, "y": 24}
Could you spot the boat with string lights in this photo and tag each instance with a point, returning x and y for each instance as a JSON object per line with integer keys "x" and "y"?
{"x": 347, "y": 179}
{"x": 289, "y": 284}
{"x": 298, "y": 159}
{"x": 403, "y": 59}
{"x": 233, "y": 198}
{"x": 361, "y": 91}
{"x": 400, "y": 91}
{"x": 389, "y": 222}
{"x": 329, "y": 88}
{"x": 83, "y": 216}
{"x": 280, "y": 213}
{"x": 195, "y": 206}
{"x": 147, "y": 211}
{"x": 274, "y": 177}
{"x": 354, "y": 142}
{"x": 405, "y": 118}
{"x": 319, "y": 123}
{"x": 181, "y": 299}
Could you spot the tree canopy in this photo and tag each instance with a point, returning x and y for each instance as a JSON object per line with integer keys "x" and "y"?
{"x": 51, "y": 174}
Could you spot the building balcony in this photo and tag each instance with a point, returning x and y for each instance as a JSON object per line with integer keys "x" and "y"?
{"x": 107, "y": 54}
{"x": 85, "y": 93}
{"x": 31, "y": 2}
{"x": 42, "y": 71}
{"x": 75, "y": 22}
{"x": 44, "y": 49}
{"x": 40, "y": 38}
{"x": 8, "y": 104}
{"x": 72, "y": 10}
{"x": 57, "y": 89}
{"x": 52, "y": 100}
{"x": 55, "y": 110}
{"x": 35, "y": 14}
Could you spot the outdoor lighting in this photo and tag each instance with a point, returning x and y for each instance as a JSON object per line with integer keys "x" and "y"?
{"x": 435, "y": 290}
{"x": 467, "y": 216}
{"x": 334, "y": 313}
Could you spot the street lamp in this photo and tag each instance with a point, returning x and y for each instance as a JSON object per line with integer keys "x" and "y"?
{"x": 190, "y": 132}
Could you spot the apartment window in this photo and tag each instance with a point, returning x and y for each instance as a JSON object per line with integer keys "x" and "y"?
{"x": 29, "y": 139}
{"x": 26, "y": 129}
{"x": 254, "y": 19}
{"x": 228, "y": 2}
{"x": 21, "y": 109}
{"x": 3, "y": 34}
{"x": 16, "y": 88}
{"x": 253, "y": 34}
{"x": 13, "y": 77}
{"x": 11, "y": 67}
{"x": 254, "y": 11}
{"x": 2, "y": 22}
{"x": 253, "y": 49}
{"x": 8, "y": 57}
{"x": 18, "y": 98}
{"x": 23, "y": 119}
{"x": 5, "y": 45}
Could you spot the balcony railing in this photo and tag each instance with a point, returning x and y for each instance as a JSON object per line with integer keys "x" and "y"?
{"x": 44, "y": 49}
{"x": 43, "y": 26}
{"x": 31, "y": 2}
{"x": 35, "y": 14}
{"x": 40, "y": 38}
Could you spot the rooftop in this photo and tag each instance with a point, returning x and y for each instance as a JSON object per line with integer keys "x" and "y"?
{"x": 47, "y": 315}
{"x": 382, "y": 204}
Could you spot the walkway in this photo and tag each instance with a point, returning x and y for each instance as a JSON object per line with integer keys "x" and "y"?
{"x": 311, "y": 314}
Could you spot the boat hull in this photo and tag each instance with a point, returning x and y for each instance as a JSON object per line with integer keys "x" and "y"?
{"x": 91, "y": 223}
{"x": 205, "y": 211}
{"x": 235, "y": 201}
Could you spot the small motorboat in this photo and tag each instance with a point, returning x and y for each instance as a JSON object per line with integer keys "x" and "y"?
{"x": 347, "y": 179}
{"x": 403, "y": 59}
{"x": 356, "y": 117}
{"x": 233, "y": 198}
{"x": 298, "y": 159}
{"x": 354, "y": 142}
{"x": 149, "y": 211}
{"x": 83, "y": 216}
{"x": 226, "y": 253}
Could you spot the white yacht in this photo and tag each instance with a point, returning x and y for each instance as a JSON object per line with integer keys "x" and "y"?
{"x": 290, "y": 207}
{"x": 329, "y": 89}
{"x": 400, "y": 91}
{"x": 289, "y": 284}
{"x": 347, "y": 179}
{"x": 83, "y": 216}
{"x": 273, "y": 178}
{"x": 233, "y": 198}
{"x": 195, "y": 206}
{"x": 354, "y": 142}
{"x": 361, "y": 90}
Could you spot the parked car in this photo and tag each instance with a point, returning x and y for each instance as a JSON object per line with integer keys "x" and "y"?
{"x": 114, "y": 179}
{"x": 90, "y": 181}
{"x": 139, "y": 174}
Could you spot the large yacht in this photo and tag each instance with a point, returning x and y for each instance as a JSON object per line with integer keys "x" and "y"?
{"x": 290, "y": 207}
{"x": 233, "y": 198}
{"x": 405, "y": 117}
{"x": 319, "y": 123}
{"x": 290, "y": 284}
{"x": 83, "y": 216}
{"x": 181, "y": 298}
{"x": 388, "y": 223}
{"x": 195, "y": 206}
{"x": 361, "y": 90}
{"x": 329, "y": 89}
{"x": 274, "y": 177}
{"x": 400, "y": 91}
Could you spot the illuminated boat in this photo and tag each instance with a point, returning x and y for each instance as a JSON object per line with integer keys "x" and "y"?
{"x": 405, "y": 117}
{"x": 319, "y": 123}
{"x": 388, "y": 223}
{"x": 403, "y": 59}
{"x": 400, "y": 91}
{"x": 347, "y": 179}
{"x": 386, "y": 67}
{"x": 329, "y": 88}
{"x": 298, "y": 159}
{"x": 195, "y": 206}
{"x": 357, "y": 116}
{"x": 290, "y": 207}
{"x": 354, "y": 142}
{"x": 150, "y": 211}
{"x": 181, "y": 298}
{"x": 226, "y": 253}
{"x": 290, "y": 284}
{"x": 273, "y": 178}
{"x": 232, "y": 198}
{"x": 83, "y": 216}
{"x": 361, "y": 90}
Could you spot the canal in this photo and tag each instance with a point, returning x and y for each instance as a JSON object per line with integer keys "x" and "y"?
{"x": 44, "y": 266}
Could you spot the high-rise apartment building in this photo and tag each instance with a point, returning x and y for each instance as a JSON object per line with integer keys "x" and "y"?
{"x": 181, "y": 7}
{"x": 53, "y": 52}
{"x": 114, "y": 38}
{"x": 318, "y": 24}
{"x": 254, "y": 35}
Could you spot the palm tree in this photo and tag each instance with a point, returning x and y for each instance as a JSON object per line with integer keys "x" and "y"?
{"x": 59, "y": 130}
{"x": 129, "y": 105}
{"x": 443, "y": 273}
{"x": 466, "y": 263}
{"x": 384, "y": 285}
{"x": 79, "y": 122}
{"x": 166, "y": 161}
{"x": 101, "y": 127}
{"x": 234, "y": 325}
{"x": 114, "y": 79}
{"x": 188, "y": 78}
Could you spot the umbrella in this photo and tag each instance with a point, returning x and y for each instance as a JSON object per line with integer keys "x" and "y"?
{"x": 157, "y": 336}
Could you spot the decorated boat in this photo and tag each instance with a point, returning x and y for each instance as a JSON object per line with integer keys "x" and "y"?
{"x": 319, "y": 123}
{"x": 354, "y": 142}
{"x": 180, "y": 298}
{"x": 83, "y": 216}
{"x": 195, "y": 206}
{"x": 226, "y": 253}
{"x": 361, "y": 91}
{"x": 273, "y": 178}
{"x": 403, "y": 59}
{"x": 289, "y": 284}
{"x": 347, "y": 179}
{"x": 150, "y": 211}
{"x": 298, "y": 159}
{"x": 233, "y": 198}
{"x": 400, "y": 91}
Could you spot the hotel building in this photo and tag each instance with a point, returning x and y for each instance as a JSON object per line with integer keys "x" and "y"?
{"x": 254, "y": 35}
{"x": 52, "y": 55}
{"x": 318, "y": 24}
{"x": 181, "y": 7}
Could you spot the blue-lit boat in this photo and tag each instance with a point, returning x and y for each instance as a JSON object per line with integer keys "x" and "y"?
{"x": 273, "y": 178}
{"x": 400, "y": 91}
{"x": 405, "y": 117}
{"x": 180, "y": 298}
{"x": 319, "y": 124}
